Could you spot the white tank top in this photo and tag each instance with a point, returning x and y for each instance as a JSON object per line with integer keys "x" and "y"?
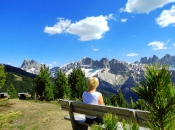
{"x": 91, "y": 98}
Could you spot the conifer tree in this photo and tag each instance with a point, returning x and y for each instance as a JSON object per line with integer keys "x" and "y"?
{"x": 2, "y": 76}
{"x": 107, "y": 101}
{"x": 12, "y": 91}
{"x": 121, "y": 100}
{"x": 159, "y": 94}
{"x": 113, "y": 100}
{"x": 132, "y": 103}
{"x": 140, "y": 104}
{"x": 118, "y": 100}
{"x": 62, "y": 89}
{"x": 44, "y": 84}
{"x": 77, "y": 82}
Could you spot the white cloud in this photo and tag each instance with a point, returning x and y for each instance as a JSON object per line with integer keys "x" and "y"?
{"x": 167, "y": 17}
{"x": 51, "y": 64}
{"x": 132, "y": 54}
{"x": 90, "y": 28}
{"x": 95, "y": 49}
{"x": 59, "y": 27}
{"x": 144, "y": 6}
{"x": 156, "y": 45}
{"x": 124, "y": 20}
{"x": 174, "y": 44}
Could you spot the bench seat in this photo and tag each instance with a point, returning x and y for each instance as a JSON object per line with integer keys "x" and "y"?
{"x": 78, "y": 110}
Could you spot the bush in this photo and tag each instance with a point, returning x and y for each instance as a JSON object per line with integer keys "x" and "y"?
{"x": 111, "y": 123}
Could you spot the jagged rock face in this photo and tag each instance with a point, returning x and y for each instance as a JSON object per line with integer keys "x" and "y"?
{"x": 103, "y": 63}
{"x": 87, "y": 61}
{"x": 151, "y": 60}
{"x": 117, "y": 67}
{"x": 144, "y": 60}
{"x": 54, "y": 71}
{"x": 118, "y": 74}
{"x": 167, "y": 59}
{"x": 31, "y": 66}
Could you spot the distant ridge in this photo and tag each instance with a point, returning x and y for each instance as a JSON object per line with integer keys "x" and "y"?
{"x": 9, "y": 68}
{"x": 113, "y": 74}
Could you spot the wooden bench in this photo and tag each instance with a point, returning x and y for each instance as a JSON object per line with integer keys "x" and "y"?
{"x": 78, "y": 110}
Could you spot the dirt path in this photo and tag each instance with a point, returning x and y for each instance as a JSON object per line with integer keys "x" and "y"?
{"x": 39, "y": 116}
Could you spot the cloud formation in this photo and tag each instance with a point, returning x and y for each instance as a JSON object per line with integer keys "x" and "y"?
{"x": 51, "y": 64}
{"x": 174, "y": 44}
{"x": 124, "y": 20}
{"x": 95, "y": 49}
{"x": 59, "y": 27}
{"x": 157, "y": 45}
{"x": 132, "y": 54}
{"x": 90, "y": 28}
{"x": 144, "y": 6}
{"x": 167, "y": 17}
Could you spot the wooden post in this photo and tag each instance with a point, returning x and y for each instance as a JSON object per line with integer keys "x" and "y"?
{"x": 75, "y": 126}
{"x": 72, "y": 119}
{"x": 132, "y": 116}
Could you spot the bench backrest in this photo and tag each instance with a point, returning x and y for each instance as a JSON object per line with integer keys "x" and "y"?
{"x": 96, "y": 110}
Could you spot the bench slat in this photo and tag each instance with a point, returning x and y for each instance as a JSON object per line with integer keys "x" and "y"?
{"x": 96, "y": 110}
{"x": 104, "y": 109}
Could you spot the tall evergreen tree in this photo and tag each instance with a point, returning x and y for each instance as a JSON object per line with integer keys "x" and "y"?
{"x": 44, "y": 84}
{"x": 132, "y": 103}
{"x": 118, "y": 100}
{"x": 77, "y": 82}
{"x": 2, "y": 76}
{"x": 159, "y": 94}
{"x": 12, "y": 91}
{"x": 62, "y": 89}
{"x": 121, "y": 100}
{"x": 113, "y": 100}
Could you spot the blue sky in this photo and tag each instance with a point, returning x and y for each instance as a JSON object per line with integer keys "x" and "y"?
{"x": 56, "y": 32}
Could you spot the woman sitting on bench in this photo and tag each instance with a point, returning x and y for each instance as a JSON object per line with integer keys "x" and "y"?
{"x": 91, "y": 96}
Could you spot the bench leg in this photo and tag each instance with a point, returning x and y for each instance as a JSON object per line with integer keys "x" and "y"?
{"x": 81, "y": 127}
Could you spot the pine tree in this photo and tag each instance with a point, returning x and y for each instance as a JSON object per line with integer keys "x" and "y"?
{"x": 12, "y": 91}
{"x": 140, "y": 104}
{"x": 121, "y": 100}
{"x": 118, "y": 100}
{"x": 62, "y": 89}
{"x": 159, "y": 94}
{"x": 2, "y": 76}
{"x": 77, "y": 82}
{"x": 44, "y": 84}
{"x": 113, "y": 100}
{"x": 132, "y": 103}
{"x": 107, "y": 101}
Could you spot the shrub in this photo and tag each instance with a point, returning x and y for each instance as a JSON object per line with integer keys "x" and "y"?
{"x": 111, "y": 123}
{"x": 158, "y": 92}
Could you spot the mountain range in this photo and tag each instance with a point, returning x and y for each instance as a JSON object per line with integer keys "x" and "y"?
{"x": 113, "y": 74}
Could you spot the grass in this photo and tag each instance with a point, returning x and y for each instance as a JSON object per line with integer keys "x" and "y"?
{"x": 18, "y": 78}
{"x": 7, "y": 118}
{"x": 31, "y": 115}
{"x": 4, "y": 104}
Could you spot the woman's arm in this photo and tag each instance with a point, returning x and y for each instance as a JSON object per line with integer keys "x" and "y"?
{"x": 100, "y": 100}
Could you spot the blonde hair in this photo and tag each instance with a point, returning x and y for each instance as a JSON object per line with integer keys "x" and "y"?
{"x": 93, "y": 83}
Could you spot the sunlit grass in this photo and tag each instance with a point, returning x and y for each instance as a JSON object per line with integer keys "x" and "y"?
{"x": 7, "y": 118}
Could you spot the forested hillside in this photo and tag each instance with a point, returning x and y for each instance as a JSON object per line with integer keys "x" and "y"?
{"x": 21, "y": 83}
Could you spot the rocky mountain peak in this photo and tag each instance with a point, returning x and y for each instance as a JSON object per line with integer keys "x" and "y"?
{"x": 31, "y": 66}
{"x": 87, "y": 61}
{"x": 104, "y": 63}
